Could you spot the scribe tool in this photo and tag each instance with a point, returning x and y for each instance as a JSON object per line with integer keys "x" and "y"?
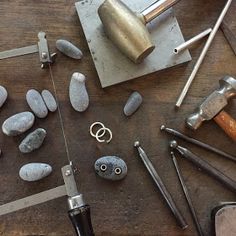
{"x": 79, "y": 211}
{"x": 162, "y": 188}
{"x": 45, "y": 57}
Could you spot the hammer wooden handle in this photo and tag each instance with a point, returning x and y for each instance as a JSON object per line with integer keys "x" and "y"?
{"x": 227, "y": 123}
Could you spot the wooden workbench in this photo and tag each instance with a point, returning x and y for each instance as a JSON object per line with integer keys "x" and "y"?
{"x": 132, "y": 206}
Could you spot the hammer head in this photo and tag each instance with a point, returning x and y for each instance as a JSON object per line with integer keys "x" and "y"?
{"x": 126, "y": 30}
{"x": 214, "y": 103}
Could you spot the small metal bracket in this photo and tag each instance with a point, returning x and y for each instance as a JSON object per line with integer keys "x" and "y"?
{"x": 69, "y": 180}
{"x": 44, "y": 55}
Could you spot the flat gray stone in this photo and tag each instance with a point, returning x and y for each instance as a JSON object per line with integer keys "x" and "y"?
{"x": 78, "y": 93}
{"x": 18, "y": 123}
{"x": 34, "y": 171}
{"x": 33, "y": 141}
{"x": 49, "y": 100}
{"x": 111, "y": 168}
{"x": 36, "y": 103}
{"x": 133, "y": 103}
{"x": 3, "y": 95}
{"x": 69, "y": 49}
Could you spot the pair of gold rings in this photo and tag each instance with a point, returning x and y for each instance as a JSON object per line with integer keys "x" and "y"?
{"x": 100, "y": 132}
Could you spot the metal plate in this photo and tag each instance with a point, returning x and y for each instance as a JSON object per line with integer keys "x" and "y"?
{"x": 112, "y": 66}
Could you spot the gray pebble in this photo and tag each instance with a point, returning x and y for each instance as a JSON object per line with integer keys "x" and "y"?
{"x": 18, "y": 124}
{"x": 34, "y": 171}
{"x": 49, "y": 100}
{"x": 33, "y": 140}
{"x": 68, "y": 49}
{"x": 111, "y": 168}
{"x": 36, "y": 103}
{"x": 3, "y": 95}
{"x": 133, "y": 103}
{"x": 78, "y": 93}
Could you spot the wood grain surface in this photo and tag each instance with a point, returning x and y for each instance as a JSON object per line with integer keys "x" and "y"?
{"x": 132, "y": 206}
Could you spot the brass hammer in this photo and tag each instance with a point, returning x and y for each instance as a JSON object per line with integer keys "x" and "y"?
{"x": 127, "y": 30}
{"x": 212, "y": 108}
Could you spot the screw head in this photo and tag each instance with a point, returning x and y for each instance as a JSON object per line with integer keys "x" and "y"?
{"x": 68, "y": 173}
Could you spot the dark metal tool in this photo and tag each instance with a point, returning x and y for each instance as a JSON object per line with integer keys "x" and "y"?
{"x": 79, "y": 212}
{"x": 197, "y": 142}
{"x": 162, "y": 188}
{"x": 187, "y": 196}
{"x": 212, "y": 108}
{"x": 204, "y": 165}
{"x": 45, "y": 57}
{"x": 223, "y": 217}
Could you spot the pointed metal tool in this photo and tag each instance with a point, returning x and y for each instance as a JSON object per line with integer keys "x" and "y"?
{"x": 41, "y": 47}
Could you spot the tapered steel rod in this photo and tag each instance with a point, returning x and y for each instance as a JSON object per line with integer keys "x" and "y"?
{"x": 203, "y": 54}
{"x": 197, "y": 142}
{"x": 187, "y": 196}
{"x": 165, "y": 193}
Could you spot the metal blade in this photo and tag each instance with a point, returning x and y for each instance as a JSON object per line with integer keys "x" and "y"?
{"x": 33, "y": 200}
{"x": 19, "y": 52}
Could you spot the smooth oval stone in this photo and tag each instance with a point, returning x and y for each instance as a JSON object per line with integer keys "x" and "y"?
{"x": 111, "y": 168}
{"x": 34, "y": 171}
{"x": 18, "y": 123}
{"x": 68, "y": 49}
{"x": 78, "y": 93}
{"x": 133, "y": 103}
{"x": 33, "y": 140}
{"x": 49, "y": 100}
{"x": 36, "y": 103}
{"x": 3, "y": 95}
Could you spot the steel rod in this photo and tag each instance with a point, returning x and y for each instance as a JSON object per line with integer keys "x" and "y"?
{"x": 203, "y": 54}
{"x": 187, "y": 196}
{"x": 191, "y": 41}
{"x": 165, "y": 193}
{"x": 197, "y": 142}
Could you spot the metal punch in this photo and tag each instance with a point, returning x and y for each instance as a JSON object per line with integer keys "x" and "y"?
{"x": 162, "y": 188}
{"x": 204, "y": 165}
{"x": 197, "y": 142}
{"x": 186, "y": 194}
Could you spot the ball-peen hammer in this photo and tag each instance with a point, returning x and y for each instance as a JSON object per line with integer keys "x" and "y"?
{"x": 212, "y": 108}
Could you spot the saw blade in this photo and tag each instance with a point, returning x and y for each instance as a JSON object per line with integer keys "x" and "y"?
{"x": 19, "y": 52}
{"x": 33, "y": 200}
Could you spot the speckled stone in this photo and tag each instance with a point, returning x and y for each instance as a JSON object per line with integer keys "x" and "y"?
{"x": 112, "y": 164}
{"x": 49, "y": 100}
{"x": 78, "y": 93}
{"x": 68, "y": 49}
{"x": 18, "y": 123}
{"x": 36, "y": 103}
{"x": 34, "y": 171}
{"x": 33, "y": 141}
{"x": 3, "y": 95}
{"x": 133, "y": 103}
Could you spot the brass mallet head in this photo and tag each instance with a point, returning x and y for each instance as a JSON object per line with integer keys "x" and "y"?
{"x": 127, "y": 29}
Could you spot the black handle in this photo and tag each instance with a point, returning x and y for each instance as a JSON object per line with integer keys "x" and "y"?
{"x": 81, "y": 220}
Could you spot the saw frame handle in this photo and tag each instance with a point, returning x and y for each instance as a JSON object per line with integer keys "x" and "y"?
{"x": 81, "y": 220}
